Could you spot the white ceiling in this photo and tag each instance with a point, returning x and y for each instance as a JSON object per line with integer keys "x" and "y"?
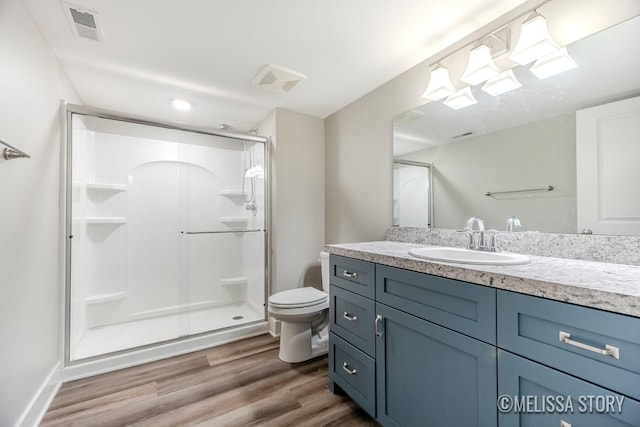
{"x": 209, "y": 51}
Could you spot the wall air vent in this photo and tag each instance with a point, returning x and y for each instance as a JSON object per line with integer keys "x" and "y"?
{"x": 277, "y": 79}
{"x": 84, "y": 23}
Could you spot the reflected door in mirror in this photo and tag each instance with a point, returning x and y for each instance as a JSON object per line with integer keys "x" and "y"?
{"x": 608, "y": 173}
{"x": 411, "y": 194}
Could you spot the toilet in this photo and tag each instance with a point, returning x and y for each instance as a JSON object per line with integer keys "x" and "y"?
{"x": 304, "y": 313}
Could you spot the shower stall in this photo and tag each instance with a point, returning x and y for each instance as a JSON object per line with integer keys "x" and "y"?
{"x": 166, "y": 233}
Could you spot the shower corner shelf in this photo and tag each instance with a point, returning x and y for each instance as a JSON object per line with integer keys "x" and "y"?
{"x": 231, "y": 193}
{"x": 106, "y": 220}
{"x": 101, "y": 186}
{"x": 235, "y": 222}
{"x": 234, "y": 281}
{"x": 104, "y": 298}
{"x": 106, "y": 187}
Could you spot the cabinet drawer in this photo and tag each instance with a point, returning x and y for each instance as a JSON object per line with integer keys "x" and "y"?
{"x": 466, "y": 308}
{"x": 533, "y": 327}
{"x": 547, "y": 397}
{"x": 353, "y": 275}
{"x": 353, "y": 371}
{"x": 352, "y": 318}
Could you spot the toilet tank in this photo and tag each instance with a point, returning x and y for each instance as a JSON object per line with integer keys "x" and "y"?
{"x": 324, "y": 266}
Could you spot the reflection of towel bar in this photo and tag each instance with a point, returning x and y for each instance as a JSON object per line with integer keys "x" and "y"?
{"x": 532, "y": 190}
{"x": 12, "y": 152}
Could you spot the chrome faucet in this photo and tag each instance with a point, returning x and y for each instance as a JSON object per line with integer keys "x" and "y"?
{"x": 513, "y": 222}
{"x": 468, "y": 228}
{"x": 478, "y": 238}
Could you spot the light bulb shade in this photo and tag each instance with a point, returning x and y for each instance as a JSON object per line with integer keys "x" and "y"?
{"x": 534, "y": 41}
{"x": 480, "y": 67}
{"x": 181, "y": 104}
{"x": 504, "y": 82}
{"x": 439, "y": 84}
{"x": 460, "y": 99}
{"x": 556, "y": 63}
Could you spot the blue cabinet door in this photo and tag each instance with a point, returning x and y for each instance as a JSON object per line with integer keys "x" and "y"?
{"x": 428, "y": 375}
{"x": 534, "y": 395}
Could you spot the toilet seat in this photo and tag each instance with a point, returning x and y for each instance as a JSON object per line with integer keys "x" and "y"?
{"x": 298, "y": 298}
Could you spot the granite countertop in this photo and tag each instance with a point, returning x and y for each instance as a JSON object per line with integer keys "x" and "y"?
{"x": 611, "y": 287}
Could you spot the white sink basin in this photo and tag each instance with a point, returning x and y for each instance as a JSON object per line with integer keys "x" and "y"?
{"x": 466, "y": 256}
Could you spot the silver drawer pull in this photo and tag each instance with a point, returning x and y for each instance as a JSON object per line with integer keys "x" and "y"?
{"x": 377, "y": 321}
{"x": 347, "y": 369}
{"x": 349, "y": 317}
{"x": 564, "y": 424}
{"x": 350, "y": 274}
{"x": 608, "y": 350}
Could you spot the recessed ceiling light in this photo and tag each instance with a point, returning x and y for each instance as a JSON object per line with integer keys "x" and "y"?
{"x": 181, "y": 104}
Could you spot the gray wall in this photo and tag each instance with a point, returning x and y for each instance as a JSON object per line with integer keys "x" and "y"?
{"x": 31, "y": 84}
{"x": 297, "y": 195}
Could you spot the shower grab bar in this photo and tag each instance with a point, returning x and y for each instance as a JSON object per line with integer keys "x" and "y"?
{"x": 222, "y": 231}
{"x": 12, "y": 152}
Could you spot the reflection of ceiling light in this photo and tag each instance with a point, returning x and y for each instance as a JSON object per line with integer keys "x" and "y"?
{"x": 439, "y": 84}
{"x": 502, "y": 83}
{"x": 534, "y": 41}
{"x": 181, "y": 104}
{"x": 480, "y": 67}
{"x": 553, "y": 64}
{"x": 460, "y": 99}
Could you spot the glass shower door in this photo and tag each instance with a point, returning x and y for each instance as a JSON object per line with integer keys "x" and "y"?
{"x": 167, "y": 235}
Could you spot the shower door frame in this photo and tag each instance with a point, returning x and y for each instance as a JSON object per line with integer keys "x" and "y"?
{"x": 68, "y": 110}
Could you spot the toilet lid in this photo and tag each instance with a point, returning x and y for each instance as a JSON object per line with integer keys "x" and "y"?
{"x": 298, "y": 297}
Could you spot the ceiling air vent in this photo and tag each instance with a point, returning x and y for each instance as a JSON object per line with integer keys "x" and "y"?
{"x": 277, "y": 79}
{"x": 84, "y": 23}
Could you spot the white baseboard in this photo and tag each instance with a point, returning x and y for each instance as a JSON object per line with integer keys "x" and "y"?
{"x": 34, "y": 412}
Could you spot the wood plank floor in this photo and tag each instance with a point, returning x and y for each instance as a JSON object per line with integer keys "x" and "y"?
{"x": 238, "y": 384}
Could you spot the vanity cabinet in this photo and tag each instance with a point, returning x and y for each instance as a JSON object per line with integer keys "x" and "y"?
{"x": 417, "y": 349}
{"x": 534, "y": 395}
{"x": 351, "y": 330}
{"x": 420, "y": 363}
{"x": 586, "y": 362}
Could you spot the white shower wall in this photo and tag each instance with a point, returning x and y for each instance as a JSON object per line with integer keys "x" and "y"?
{"x": 137, "y": 193}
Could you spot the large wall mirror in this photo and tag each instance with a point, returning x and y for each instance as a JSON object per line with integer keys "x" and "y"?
{"x": 561, "y": 154}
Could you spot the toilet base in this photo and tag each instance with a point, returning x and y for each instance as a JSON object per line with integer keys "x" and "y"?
{"x": 297, "y": 344}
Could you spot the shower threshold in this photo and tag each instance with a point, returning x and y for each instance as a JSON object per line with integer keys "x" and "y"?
{"x": 137, "y": 333}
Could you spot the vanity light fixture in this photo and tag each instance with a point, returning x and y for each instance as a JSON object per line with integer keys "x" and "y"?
{"x": 534, "y": 41}
{"x": 503, "y": 82}
{"x": 480, "y": 67}
{"x": 439, "y": 84}
{"x": 460, "y": 99}
{"x": 553, "y": 64}
{"x": 181, "y": 104}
